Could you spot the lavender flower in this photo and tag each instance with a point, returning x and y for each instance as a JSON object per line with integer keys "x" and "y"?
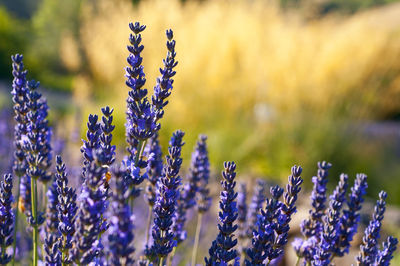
{"x": 39, "y": 133}
{"x": 313, "y": 226}
{"x": 121, "y": 229}
{"x": 163, "y": 88}
{"x": 154, "y": 168}
{"x": 331, "y": 220}
{"x": 257, "y": 201}
{"x": 165, "y": 207}
{"x": 6, "y": 218}
{"x": 91, "y": 144}
{"x": 386, "y": 254}
{"x": 53, "y": 255}
{"x": 223, "y": 250}
{"x": 106, "y": 135}
{"x": 141, "y": 119}
{"x": 108, "y": 150}
{"x": 90, "y": 223}
{"x": 349, "y": 220}
{"x": 66, "y": 210}
{"x": 19, "y": 97}
{"x": 202, "y": 162}
{"x": 198, "y": 172}
{"x": 287, "y": 209}
{"x": 199, "y": 169}
{"x": 369, "y": 247}
{"x": 89, "y": 218}
{"x": 263, "y": 235}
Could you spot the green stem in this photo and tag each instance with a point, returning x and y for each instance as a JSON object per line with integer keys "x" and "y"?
{"x": 161, "y": 262}
{"x": 148, "y": 224}
{"x": 34, "y": 217}
{"x": 44, "y": 195}
{"x": 196, "y": 239}
{"x": 298, "y": 261}
{"x": 16, "y": 222}
{"x": 44, "y": 208}
{"x": 171, "y": 256}
{"x": 139, "y": 153}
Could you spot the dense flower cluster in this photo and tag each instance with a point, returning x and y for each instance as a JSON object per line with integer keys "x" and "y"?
{"x": 80, "y": 229}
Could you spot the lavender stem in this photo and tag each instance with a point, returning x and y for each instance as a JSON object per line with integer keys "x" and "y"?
{"x": 16, "y": 222}
{"x": 148, "y": 224}
{"x": 197, "y": 238}
{"x": 34, "y": 216}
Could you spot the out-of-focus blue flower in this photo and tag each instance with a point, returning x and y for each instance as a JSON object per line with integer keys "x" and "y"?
{"x": 53, "y": 255}
{"x": 199, "y": 169}
{"x": 202, "y": 162}
{"x": 154, "y": 168}
{"x": 198, "y": 174}
{"x": 167, "y": 194}
{"x": 6, "y": 219}
{"x": 120, "y": 235}
{"x": 223, "y": 250}
{"x": 255, "y": 207}
{"x": 66, "y": 209}
{"x": 313, "y": 226}
{"x": 242, "y": 211}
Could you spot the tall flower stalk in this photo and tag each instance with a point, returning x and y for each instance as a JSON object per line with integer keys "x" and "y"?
{"x": 19, "y": 97}
{"x": 165, "y": 206}
{"x": 37, "y": 147}
{"x": 314, "y": 225}
{"x": 264, "y": 232}
{"x": 89, "y": 221}
{"x": 369, "y": 247}
{"x": 121, "y": 229}
{"x": 223, "y": 250}
{"x": 51, "y": 242}
{"x": 66, "y": 210}
{"x": 199, "y": 175}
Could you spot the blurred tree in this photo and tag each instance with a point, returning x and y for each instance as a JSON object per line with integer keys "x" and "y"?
{"x": 50, "y": 23}
{"x": 13, "y": 34}
{"x": 21, "y": 8}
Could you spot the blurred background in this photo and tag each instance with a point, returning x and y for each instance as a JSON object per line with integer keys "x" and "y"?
{"x": 272, "y": 83}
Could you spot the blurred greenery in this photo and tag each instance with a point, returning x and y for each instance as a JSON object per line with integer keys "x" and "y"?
{"x": 272, "y": 83}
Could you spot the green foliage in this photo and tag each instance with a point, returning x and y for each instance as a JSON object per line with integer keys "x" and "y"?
{"x": 13, "y": 36}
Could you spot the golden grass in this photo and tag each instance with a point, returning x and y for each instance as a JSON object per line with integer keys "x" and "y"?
{"x": 247, "y": 69}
